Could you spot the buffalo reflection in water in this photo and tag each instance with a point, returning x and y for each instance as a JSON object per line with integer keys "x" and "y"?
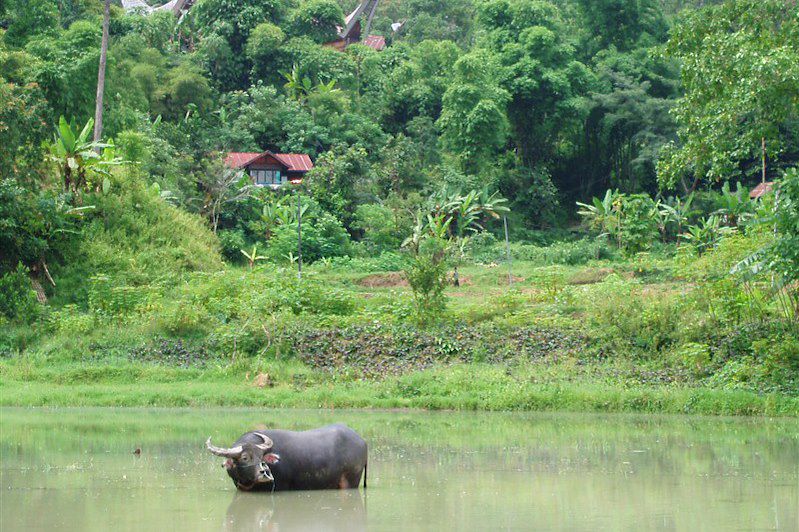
{"x": 313, "y": 510}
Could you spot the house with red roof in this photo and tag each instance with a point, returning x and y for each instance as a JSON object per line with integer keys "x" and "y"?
{"x": 268, "y": 169}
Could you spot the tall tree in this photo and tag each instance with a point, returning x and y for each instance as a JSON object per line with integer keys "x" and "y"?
{"x": 98, "y": 110}
{"x": 740, "y": 66}
{"x": 541, "y": 73}
{"x": 473, "y": 121}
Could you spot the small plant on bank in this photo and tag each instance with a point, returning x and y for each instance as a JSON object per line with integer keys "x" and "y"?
{"x": 706, "y": 234}
{"x": 252, "y": 256}
{"x": 427, "y": 276}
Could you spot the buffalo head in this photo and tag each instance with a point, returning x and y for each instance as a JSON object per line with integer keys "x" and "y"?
{"x": 248, "y": 463}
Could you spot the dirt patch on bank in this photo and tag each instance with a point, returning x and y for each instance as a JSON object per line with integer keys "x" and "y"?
{"x": 590, "y": 276}
{"x": 397, "y": 279}
{"x": 383, "y": 280}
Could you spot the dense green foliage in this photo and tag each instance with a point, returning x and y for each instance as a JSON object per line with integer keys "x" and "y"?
{"x": 616, "y": 140}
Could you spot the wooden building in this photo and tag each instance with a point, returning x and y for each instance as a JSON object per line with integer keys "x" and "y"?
{"x": 352, "y": 31}
{"x": 269, "y": 169}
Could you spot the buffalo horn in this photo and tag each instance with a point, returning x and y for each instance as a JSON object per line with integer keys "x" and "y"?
{"x": 267, "y": 444}
{"x": 233, "y": 452}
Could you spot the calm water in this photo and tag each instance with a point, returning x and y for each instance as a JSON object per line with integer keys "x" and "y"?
{"x": 74, "y": 470}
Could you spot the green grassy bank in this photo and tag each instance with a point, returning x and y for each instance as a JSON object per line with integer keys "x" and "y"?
{"x": 460, "y": 387}
{"x": 584, "y": 327}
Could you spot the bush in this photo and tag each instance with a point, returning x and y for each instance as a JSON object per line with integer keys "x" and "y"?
{"x": 322, "y": 237}
{"x": 427, "y": 276}
{"x": 695, "y": 357}
{"x": 385, "y": 262}
{"x": 566, "y": 253}
{"x": 17, "y": 298}
{"x": 637, "y": 225}
{"x": 381, "y": 230}
{"x": 649, "y": 325}
{"x": 780, "y": 356}
{"x": 232, "y": 242}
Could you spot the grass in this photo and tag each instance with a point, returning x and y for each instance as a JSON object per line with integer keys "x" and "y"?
{"x": 595, "y": 336}
{"x": 461, "y": 387}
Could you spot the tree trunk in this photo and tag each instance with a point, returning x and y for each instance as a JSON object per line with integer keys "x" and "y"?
{"x": 763, "y": 148}
{"x": 98, "y": 110}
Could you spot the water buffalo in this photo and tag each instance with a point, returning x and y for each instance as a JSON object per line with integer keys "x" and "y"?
{"x": 332, "y": 457}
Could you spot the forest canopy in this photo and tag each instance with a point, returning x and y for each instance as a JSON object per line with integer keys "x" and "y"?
{"x": 543, "y": 102}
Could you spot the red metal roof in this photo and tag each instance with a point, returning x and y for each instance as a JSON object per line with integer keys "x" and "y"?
{"x": 376, "y": 42}
{"x": 761, "y": 190}
{"x": 295, "y": 162}
{"x": 239, "y": 159}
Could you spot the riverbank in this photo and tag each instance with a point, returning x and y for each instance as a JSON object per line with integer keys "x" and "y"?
{"x": 460, "y": 387}
{"x": 646, "y": 334}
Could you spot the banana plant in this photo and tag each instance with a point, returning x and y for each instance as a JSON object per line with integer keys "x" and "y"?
{"x": 466, "y": 212}
{"x": 737, "y": 207}
{"x": 252, "y": 256}
{"x": 429, "y": 226}
{"x": 707, "y": 233}
{"x": 602, "y": 214}
{"x": 675, "y": 210}
{"x": 297, "y": 86}
{"x": 78, "y": 156}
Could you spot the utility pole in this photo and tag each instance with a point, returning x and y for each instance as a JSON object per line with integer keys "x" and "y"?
{"x": 98, "y": 110}
{"x": 298, "y": 182}
{"x": 507, "y": 253}
{"x": 299, "y": 235}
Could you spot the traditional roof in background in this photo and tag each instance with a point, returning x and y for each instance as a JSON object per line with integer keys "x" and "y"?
{"x": 376, "y": 42}
{"x": 761, "y": 190}
{"x": 294, "y": 162}
{"x": 239, "y": 160}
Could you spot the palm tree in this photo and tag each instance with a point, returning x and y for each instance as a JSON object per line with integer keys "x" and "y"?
{"x": 223, "y": 188}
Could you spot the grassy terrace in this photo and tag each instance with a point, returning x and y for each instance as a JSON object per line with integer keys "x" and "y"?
{"x": 561, "y": 339}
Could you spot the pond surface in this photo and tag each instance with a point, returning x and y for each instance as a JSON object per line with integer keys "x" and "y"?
{"x": 74, "y": 469}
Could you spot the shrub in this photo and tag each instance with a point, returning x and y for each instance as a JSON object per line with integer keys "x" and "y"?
{"x": 567, "y": 253}
{"x": 17, "y": 297}
{"x": 108, "y": 298}
{"x": 385, "y": 262}
{"x": 170, "y": 353}
{"x": 427, "y": 276}
{"x": 232, "y": 242}
{"x": 382, "y": 229}
{"x": 780, "y": 356}
{"x": 648, "y": 325}
{"x": 695, "y": 357}
{"x": 322, "y": 237}
{"x": 134, "y": 238}
{"x": 638, "y": 225}
{"x": 69, "y": 319}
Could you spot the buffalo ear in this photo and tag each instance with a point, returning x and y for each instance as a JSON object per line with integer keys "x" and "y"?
{"x": 271, "y": 458}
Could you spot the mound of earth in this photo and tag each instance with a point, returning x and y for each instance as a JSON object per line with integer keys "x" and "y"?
{"x": 384, "y": 280}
